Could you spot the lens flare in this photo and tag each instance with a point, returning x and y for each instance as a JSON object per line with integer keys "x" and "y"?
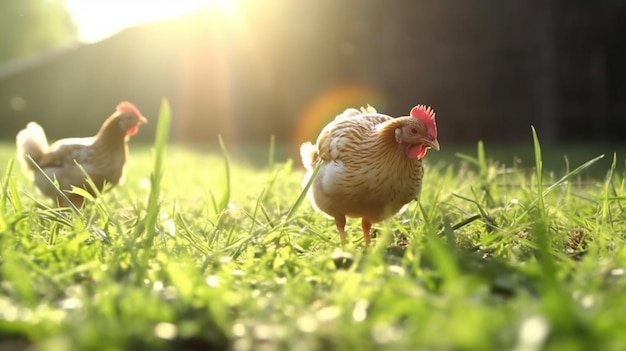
{"x": 325, "y": 107}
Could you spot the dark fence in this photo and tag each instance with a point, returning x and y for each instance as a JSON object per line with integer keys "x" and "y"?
{"x": 490, "y": 68}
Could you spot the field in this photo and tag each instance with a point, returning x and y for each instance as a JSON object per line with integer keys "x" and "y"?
{"x": 205, "y": 251}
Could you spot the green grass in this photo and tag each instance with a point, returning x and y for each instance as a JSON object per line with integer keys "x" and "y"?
{"x": 212, "y": 253}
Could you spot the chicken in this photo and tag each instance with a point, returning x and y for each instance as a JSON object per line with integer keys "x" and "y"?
{"x": 370, "y": 164}
{"x": 102, "y": 156}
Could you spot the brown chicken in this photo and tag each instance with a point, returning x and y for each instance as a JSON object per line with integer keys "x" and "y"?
{"x": 102, "y": 156}
{"x": 370, "y": 164}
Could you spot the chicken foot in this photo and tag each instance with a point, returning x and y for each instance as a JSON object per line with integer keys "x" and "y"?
{"x": 340, "y": 222}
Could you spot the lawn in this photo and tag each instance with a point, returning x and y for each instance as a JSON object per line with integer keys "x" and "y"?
{"x": 202, "y": 251}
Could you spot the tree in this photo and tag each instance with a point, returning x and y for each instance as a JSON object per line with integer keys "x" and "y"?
{"x": 30, "y": 26}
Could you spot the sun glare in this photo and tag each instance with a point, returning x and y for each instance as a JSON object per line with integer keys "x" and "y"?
{"x": 99, "y": 19}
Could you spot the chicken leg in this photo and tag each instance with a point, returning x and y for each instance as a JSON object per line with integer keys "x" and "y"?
{"x": 340, "y": 222}
{"x": 366, "y": 225}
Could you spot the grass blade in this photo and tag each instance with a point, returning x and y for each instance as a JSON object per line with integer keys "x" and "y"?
{"x": 79, "y": 215}
{"x": 225, "y": 198}
{"x": 557, "y": 303}
{"x": 303, "y": 193}
{"x": 570, "y": 174}
{"x": 153, "y": 206}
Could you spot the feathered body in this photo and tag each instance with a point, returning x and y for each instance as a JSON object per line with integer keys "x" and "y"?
{"x": 370, "y": 164}
{"x": 102, "y": 156}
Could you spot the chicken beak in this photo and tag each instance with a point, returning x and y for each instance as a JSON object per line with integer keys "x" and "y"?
{"x": 143, "y": 120}
{"x": 433, "y": 144}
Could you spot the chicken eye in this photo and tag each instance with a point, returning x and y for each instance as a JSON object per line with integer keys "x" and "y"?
{"x": 413, "y": 130}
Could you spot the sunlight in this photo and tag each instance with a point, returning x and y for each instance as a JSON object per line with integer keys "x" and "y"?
{"x": 99, "y": 19}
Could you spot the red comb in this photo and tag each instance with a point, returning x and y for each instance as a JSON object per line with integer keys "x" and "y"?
{"x": 427, "y": 115}
{"x": 127, "y": 107}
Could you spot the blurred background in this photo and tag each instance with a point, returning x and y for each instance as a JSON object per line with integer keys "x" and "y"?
{"x": 252, "y": 69}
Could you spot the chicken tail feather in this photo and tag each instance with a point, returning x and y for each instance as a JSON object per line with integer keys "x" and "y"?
{"x": 368, "y": 109}
{"x": 31, "y": 141}
{"x": 308, "y": 153}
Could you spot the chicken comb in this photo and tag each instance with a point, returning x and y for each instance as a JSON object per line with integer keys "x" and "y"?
{"x": 127, "y": 107}
{"x": 427, "y": 115}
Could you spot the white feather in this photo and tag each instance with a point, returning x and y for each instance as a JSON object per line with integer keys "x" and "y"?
{"x": 31, "y": 141}
{"x": 332, "y": 171}
{"x": 307, "y": 152}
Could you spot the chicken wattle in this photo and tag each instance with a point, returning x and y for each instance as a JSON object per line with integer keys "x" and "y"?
{"x": 370, "y": 164}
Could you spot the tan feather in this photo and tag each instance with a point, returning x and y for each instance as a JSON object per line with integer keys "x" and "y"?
{"x": 365, "y": 171}
{"x": 102, "y": 156}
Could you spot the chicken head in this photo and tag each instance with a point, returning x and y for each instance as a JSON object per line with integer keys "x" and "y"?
{"x": 419, "y": 133}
